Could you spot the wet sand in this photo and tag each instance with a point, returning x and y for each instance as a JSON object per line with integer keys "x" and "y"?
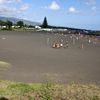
{"x": 33, "y": 59}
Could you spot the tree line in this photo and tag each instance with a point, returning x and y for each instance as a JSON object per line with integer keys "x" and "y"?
{"x": 9, "y": 24}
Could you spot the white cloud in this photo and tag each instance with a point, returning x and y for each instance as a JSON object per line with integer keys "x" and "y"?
{"x": 13, "y": 11}
{"x": 94, "y": 10}
{"x": 24, "y": 7}
{"x": 54, "y": 6}
{"x": 9, "y": 1}
{"x": 5, "y": 11}
{"x": 2, "y": 1}
{"x": 90, "y": 2}
{"x": 73, "y": 10}
{"x": 91, "y": 5}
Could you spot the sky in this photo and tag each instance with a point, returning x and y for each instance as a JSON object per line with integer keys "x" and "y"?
{"x": 83, "y": 14}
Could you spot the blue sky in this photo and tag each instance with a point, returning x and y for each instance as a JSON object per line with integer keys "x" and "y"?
{"x": 71, "y": 13}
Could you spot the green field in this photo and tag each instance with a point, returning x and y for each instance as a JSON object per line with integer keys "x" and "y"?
{"x": 48, "y": 91}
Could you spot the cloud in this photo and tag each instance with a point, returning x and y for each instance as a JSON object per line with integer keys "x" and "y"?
{"x": 90, "y": 2}
{"x": 24, "y": 7}
{"x": 8, "y": 1}
{"x": 18, "y": 10}
{"x": 73, "y": 10}
{"x": 13, "y": 11}
{"x": 94, "y": 10}
{"x": 54, "y": 6}
{"x": 7, "y": 11}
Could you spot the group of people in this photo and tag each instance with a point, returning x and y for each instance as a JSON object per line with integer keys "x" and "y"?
{"x": 60, "y": 45}
{"x": 63, "y": 41}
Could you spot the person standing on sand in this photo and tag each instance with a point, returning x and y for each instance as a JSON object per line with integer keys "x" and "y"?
{"x": 61, "y": 40}
{"x": 82, "y": 46}
{"x": 89, "y": 41}
{"x": 48, "y": 39}
{"x": 77, "y": 38}
{"x": 73, "y": 41}
{"x": 66, "y": 44}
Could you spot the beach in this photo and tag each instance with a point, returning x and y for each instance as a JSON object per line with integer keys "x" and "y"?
{"x": 32, "y": 58}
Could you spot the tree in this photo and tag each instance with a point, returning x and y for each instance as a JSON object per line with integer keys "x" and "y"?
{"x": 2, "y": 23}
{"x": 45, "y": 23}
{"x": 9, "y": 24}
{"x": 20, "y": 23}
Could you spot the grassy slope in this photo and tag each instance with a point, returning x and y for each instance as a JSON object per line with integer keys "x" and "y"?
{"x": 48, "y": 91}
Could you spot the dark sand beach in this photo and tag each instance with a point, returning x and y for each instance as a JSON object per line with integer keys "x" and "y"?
{"x": 32, "y": 59}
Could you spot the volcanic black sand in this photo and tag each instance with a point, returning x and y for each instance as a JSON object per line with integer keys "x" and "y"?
{"x": 32, "y": 58}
